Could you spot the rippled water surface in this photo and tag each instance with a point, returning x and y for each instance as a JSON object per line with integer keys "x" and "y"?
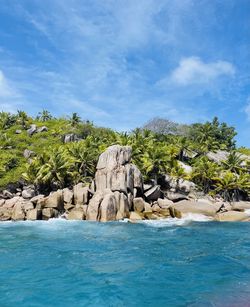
{"x": 63, "y": 263}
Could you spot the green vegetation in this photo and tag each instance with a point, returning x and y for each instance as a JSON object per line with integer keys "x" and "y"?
{"x": 157, "y": 149}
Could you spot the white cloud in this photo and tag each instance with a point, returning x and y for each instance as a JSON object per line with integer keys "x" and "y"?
{"x": 193, "y": 70}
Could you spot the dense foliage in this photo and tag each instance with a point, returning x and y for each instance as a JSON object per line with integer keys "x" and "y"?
{"x": 157, "y": 150}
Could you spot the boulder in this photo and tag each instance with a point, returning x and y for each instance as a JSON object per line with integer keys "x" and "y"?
{"x": 28, "y": 193}
{"x": 76, "y": 215}
{"x": 5, "y": 214}
{"x": 175, "y": 197}
{"x": 153, "y": 193}
{"x": 231, "y": 216}
{"x": 27, "y": 205}
{"x": 122, "y": 205}
{"x": 156, "y": 208}
{"x": 164, "y": 203}
{"x": 240, "y": 205}
{"x": 93, "y": 207}
{"x": 32, "y": 129}
{"x": 134, "y": 216}
{"x": 18, "y": 131}
{"x": 28, "y": 153}
{"x": 68, "y": 196}
{"x": 48, "y": 213}
{"x": 183, "y": 207}
{"x": 18, "y": 213}
{"x": 179, "y": 185}
{"x": 43, "y": 129}
{"x": 2, "y": 201}
{"x": 138, "y": 204}
{"x": 71, "y": 137}
{"x": 81, "y": 194}
{"x": 7, "y": 194}
{"x": 33, "y": 214}
{"x": 68, "y": 207}
{"x": 54, "y": 200}
{"x": 10, "y": 203}
{"x": 35, "y": 199}
{"x": 187, "y": 168}
{"x": 147, "y": 207}
{"x": 108, "y": 208}
{"x": 115, "y": 172}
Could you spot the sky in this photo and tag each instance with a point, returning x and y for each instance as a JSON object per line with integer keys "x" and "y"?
{"x": 120, "y": 63}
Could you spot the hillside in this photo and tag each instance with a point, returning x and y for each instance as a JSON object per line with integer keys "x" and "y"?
{"x": 54, "y": 153}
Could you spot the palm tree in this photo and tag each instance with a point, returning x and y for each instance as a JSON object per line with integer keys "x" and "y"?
{"x": 204, "y": 172}
{"x": 6, "y": 120}
{"x": 233, "y": 162}
{"x": 44, "y": 116}
{"x": 22, "y": 118}
{"x": 75, "y": 119}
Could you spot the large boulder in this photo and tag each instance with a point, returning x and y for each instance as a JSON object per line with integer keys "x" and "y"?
{"x": 108, "y": 208}
{"x": 34, "y": 214}
{"x": 32, "y": 129}
{"x": 198, "y": 207}
{"x": 68, "y": 196}
{"x": 231, "y": 216}
{"x": 81, "y": 193}
{"x": 93, "y": 207}
{"x": 10, "y": 203}
{"x": 48, "y": 213}
{"x": 36, "y": 198}
{"x": 164, "y": 203}
{"x": 179, "y": 185}
{"x": 54, "y": 200}
{"x": 122, "y": 204}
{"x": 5, "y": 214}
{"x": 138, "y": 204}
{"x": 115, "y": 172}
{"x": 18, "y": 213}
{"x": 76, "y": 214}
{"x": 28, "y": 193}
{"x": 43, "y": 129}
{"x": 153, "y": 193}
{"x": 241, "y": 205}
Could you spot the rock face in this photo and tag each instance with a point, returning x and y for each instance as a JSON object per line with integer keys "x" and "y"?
{"x": 180, "y": 185}
{"x": 32, "y": 129}
{"x": 117, "y": 182}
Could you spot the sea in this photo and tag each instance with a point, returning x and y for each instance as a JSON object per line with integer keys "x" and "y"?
{"x": 171, "y": 262}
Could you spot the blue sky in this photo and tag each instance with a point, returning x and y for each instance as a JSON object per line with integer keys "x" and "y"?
{"x": 122, "y": 62}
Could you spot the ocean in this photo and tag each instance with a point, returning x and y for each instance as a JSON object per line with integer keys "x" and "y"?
{"x": 154, "y": 263}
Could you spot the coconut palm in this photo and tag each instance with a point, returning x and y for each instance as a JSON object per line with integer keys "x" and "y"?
{"x": 233, "y": 162}
{"x": 74, "y": 119}
{"x": 22, "y": 118}
{"x": 44, "y": 116}
{"x": 6, "y": 120}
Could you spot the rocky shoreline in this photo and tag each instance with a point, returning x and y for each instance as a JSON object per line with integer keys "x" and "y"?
{"x": 116, "y": 193}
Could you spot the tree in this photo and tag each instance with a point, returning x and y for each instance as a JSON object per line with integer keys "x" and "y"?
{"x": 233, "y": 162}
{"x": 44, "y": 116}
{"x": 22, "y": 118}
{"x": 6, "y": 120}
{"x": 75, "y": 119}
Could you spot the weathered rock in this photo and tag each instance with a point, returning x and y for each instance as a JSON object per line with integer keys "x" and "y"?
{"x": 108, "y": 208}
{"x": 28, "y": 153}
{"x": 176, "y": 197}
{"x": 68, "y": 196}
{"x": 5, "y": 214}
{"x": 241, "y": 205}
{"x": 43, "y": 129}
{"x": 115, "y": 172}
{"x": 18, "y": 131}
{"x": 154, "y": 193}
{"x": 147, "y": 186}
{"x": 32, "y": 129}
{"x": 10, "y": 203}
{"x": 93, "y": 207}
{"x": 156, "y": 208}
{"x": 76, "y": 215}
{"x": 122, "y": 205}
{"x": 134, "y": 216}
{"x": 231, "y": 216}
{"x": 54, "y": 200}
{"x": 27, "y": 205}
{"x": 71, "y": 137}
{"x": 165, "y": 212}
{"x": 35, "y": 199}
{"x": 68, "y": 207}
{"x": 183, "y": 207}
{"x": 138, "y": 204}
{"x": 34, "y": 214}
{"x": 179, "y": 185}
{"x": 18, "y": 213}
{"x": 81, "y": 194}
{"x": 2, "y": 201}
{"x": 187, "y": 168}
{"x": 147, "y": 207}
{"x": 164, "y": 203}
{"x": 7, "y": 194}
{"x": 48, "y": 213}
{"x": 28, "y": 193}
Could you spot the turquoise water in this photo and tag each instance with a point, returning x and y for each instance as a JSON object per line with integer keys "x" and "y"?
{"x": 63, "y": 263}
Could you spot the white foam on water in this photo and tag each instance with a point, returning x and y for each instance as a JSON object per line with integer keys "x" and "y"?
{"x": 185, "y": 220}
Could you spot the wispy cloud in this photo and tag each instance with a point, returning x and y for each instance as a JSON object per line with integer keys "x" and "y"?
{"x": 193, "y": 70}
